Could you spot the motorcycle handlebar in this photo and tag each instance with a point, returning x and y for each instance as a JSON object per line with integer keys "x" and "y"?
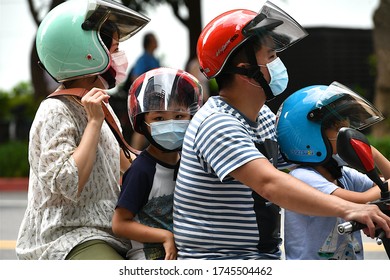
{"x": 349, "y": 227}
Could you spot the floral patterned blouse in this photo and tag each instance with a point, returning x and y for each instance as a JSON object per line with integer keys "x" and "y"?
{"x": 57, "y": 218}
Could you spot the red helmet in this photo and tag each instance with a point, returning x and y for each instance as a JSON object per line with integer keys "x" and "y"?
{"x": 231, "y": 29}
{"x": 163, "y": 89}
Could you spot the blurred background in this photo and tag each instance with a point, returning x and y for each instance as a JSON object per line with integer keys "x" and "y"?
{"x": 349, "y": 42}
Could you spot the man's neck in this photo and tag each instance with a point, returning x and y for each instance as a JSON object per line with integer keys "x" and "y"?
{"x": 248, "y": 103}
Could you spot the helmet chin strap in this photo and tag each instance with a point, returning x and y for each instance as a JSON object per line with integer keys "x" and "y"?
{"x": 333, "y": 168}
{"x": 253, "y": 72}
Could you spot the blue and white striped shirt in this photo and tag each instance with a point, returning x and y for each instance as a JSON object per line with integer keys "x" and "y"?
{"x": 213, "y": 214}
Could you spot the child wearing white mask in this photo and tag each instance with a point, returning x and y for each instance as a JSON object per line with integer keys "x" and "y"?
{"x": 161, "y": 103}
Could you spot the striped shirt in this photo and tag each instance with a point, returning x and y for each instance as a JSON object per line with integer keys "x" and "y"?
{"x": 214, "y": 217}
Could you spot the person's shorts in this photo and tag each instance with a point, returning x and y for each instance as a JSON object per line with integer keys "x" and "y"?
{"x": 94, "y": 250}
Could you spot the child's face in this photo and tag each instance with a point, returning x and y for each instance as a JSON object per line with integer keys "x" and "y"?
{"x": 158, "y": 116}
{"x": 332, "y": 132}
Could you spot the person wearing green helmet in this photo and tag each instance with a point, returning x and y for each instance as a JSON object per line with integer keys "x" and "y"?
{"x": 75, "y": 159}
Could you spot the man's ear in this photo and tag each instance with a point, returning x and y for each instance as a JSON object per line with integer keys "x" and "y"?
{"x": 243, "y": 65}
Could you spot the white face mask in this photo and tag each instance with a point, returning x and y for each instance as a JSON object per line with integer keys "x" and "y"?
{"x": 119, "y": 64}
{"x": 279, "y": 76}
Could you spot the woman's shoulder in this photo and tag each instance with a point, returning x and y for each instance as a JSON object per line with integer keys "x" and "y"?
{"x": 55, "y": 103}
{"x": 58, "y": 110}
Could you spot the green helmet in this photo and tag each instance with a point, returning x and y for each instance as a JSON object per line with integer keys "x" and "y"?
{"x": 69, "y": 42}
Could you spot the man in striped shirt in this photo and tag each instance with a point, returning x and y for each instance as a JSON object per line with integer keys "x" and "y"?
{"x": 227, "y": 178}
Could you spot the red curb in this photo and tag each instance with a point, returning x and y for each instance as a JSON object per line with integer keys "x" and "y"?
{"x": 13, "y": 184}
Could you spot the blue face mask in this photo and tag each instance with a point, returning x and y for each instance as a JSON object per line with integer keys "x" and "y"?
{"x": 279, "y": 76}
{"x": 169, "y": 134}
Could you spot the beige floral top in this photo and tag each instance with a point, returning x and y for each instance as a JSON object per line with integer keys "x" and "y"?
{"x": 56, "y": 218}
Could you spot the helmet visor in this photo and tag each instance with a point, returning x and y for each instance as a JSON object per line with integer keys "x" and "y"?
{"x": 338, "y": 102}
{"x": 127, "y": 21}
{"x": 280, "y": 29}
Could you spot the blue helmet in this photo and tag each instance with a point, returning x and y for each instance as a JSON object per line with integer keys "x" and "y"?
{"x": 300, "y": 120}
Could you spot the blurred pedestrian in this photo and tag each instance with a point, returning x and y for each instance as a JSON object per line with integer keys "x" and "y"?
{"x": 147, "y": 60}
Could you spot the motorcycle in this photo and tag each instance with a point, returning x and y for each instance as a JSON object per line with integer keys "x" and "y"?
{"x": 354, "y": 148}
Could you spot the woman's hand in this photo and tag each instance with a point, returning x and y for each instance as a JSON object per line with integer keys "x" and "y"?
{"x": 92, "y": 102}
{"x": 85, "y": 153}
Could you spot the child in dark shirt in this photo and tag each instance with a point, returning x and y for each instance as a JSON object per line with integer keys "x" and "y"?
{"x": 161, "y": 103}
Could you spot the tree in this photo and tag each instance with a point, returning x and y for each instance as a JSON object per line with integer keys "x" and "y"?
{"x": 382, "y": 49}
{"x": 191, "y": 8}
{"x": 38, "y": 12}
{"x": 188, "y": 12}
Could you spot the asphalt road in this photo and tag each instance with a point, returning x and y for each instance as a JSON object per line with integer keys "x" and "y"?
{"x": 13, "y": 205}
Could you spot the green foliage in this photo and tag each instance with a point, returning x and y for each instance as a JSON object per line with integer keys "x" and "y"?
{"x": 213, "y": 87}
{"x": 381, "y": 144}
{"x": 372, "y": 64}
{"x": 19, "y": 101}
{"x": 360, "y": 90}
{"x": 14, "y": 159}
{"x": 5, "y": 105}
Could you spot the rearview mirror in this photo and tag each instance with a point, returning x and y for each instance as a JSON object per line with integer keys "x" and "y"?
{"x": 354, "y": 148}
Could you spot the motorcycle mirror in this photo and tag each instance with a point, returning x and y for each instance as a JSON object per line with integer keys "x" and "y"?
{"x": 354, "y": 148}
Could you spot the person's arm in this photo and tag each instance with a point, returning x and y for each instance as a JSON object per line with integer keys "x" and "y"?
{"x": 381, "y": 162}
{"x": 85, "y": 154}
{"x": 291, "y": 193}
{"x": 124, "y": 226}
{"x": 358, "y": 197}
{"x": 373, "y": 193}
